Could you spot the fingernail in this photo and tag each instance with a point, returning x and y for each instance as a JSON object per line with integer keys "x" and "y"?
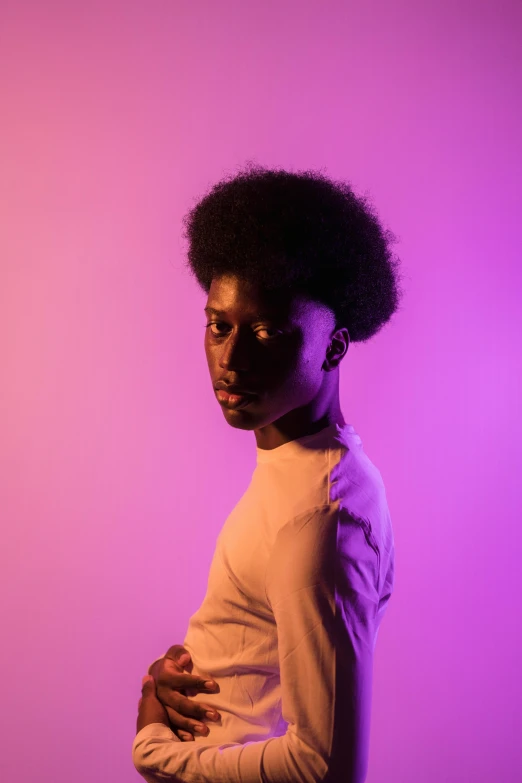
{"x": 183, "y": 659}
{"x": 200, "y": 729}
{"x": 211, "y": 715}
{"x": 209, "y": 684}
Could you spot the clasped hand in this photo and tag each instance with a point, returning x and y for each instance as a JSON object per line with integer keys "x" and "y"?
{"x": 164, "y": 696}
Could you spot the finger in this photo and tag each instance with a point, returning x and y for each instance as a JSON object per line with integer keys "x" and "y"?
{"x": 186, "y": 724}
{"x": 179, "y": 654}
{"x": 148, "y": 686}
{"x": 191, "y": 708}
{"x": 185, "y": 736}
{"x": 168, "y": 673}
{"x": 199, "y": 683}
{"x": 171, "y": 677}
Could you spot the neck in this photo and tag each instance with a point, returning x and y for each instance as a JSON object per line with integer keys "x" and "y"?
{"x": 297, "y": 424}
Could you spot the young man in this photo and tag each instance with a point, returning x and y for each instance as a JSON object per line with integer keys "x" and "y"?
{"x": 294, "y": 266}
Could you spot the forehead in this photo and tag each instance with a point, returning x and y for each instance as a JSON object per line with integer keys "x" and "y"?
{"x": 233, "y": 296}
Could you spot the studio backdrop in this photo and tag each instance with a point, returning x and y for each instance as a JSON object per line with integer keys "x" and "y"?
{"x": 118, "y": 468}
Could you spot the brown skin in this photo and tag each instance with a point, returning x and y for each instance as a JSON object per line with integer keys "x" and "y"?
{"x": 292, "y": 359}
{"x": 150, "y": 709}
{"x": 164, "y": 701}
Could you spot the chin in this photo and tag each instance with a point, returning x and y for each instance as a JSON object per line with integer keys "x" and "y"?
{"x": 241, "y": 422}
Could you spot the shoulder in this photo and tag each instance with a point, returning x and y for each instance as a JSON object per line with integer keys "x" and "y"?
{"x": 322, "y": 546}
{"x": 325, "y": 528}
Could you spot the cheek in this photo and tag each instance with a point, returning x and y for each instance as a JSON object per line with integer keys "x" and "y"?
{"x": 296, "y": 384}
{"x": 307, "y": 374}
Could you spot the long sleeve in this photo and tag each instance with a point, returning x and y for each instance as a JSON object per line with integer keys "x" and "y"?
{"x": 322, "y": 585}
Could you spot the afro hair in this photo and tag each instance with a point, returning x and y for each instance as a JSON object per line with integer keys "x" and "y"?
{"x": 302, "y": 232}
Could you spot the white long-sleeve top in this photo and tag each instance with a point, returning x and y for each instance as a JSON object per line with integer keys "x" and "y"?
{"x": 301, "y": 575}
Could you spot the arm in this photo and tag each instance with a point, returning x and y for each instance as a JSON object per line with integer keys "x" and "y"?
{"x": 322, "y": 586}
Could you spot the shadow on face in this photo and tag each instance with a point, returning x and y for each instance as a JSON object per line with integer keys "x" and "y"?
{"x": 273, "y": 344}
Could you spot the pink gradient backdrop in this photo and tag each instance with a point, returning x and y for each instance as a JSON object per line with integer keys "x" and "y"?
{"x": 117, "y": 466}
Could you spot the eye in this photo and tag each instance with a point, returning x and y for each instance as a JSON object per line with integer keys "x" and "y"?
{"x": 273, "y": 336}
{"x": 213, "y": 323}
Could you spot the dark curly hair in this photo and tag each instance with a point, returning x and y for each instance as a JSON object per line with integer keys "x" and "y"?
{"x": 301, "y": 232}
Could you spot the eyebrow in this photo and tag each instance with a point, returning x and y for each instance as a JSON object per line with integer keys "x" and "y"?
{"x": 261, "y": 316}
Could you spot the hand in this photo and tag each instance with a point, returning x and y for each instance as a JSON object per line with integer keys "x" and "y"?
{"x": 150, "y": 709}
{"x": 172, "y": 688}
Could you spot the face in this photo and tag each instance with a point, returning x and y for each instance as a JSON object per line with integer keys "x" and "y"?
{"x": 281, "y": 347}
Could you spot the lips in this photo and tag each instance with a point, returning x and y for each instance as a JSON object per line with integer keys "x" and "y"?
{"x": 231, "y": 388}
{"x": 234, "y": 401}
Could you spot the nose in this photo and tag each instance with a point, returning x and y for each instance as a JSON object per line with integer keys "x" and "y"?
{"x": 236, "y": 353}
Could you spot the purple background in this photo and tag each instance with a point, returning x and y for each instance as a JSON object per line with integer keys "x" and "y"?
{"x": 117, "y": 466}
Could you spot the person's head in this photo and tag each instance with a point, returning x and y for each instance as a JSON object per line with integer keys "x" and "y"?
{"x": 297, "y": 266}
